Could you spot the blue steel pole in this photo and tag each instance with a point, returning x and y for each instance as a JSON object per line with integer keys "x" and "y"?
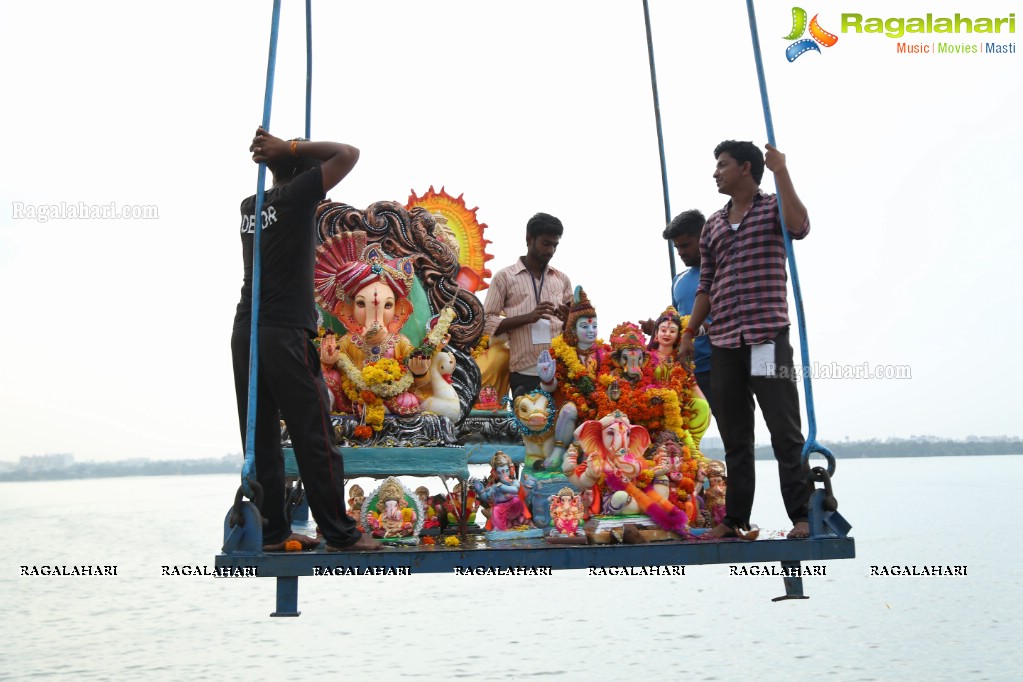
{"x": 249, "y": 468}
{"x": 308, "y": 68}
{"x": 660, "y": 134}
{"x": 811, "y": 444}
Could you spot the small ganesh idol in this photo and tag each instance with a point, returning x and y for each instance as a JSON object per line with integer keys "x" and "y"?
{"x": 567, "y": 517}
{"x": 453, "y": 512}
{"x": 501, "y": 494}
{"x": 368, "y": 291}
{"x": 356, "y": 498}
{"x": 393, "y": 513}
{"x": 629, "y": 356}
{"x": 714, "y": 497}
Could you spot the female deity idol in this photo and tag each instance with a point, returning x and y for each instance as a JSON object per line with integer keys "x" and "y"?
{"x": 368, "y": 292}
{"x": 664, "y": 345}
{"x": 330, "y": 356}
{"x": 569, "y": 373}
{"x": 674, "y": 376}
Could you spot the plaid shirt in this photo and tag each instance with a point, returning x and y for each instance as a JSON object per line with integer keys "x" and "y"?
{"x": 743, "y": 270}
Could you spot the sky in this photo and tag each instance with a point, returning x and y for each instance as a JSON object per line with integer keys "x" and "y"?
{"x": 115, "y": 340}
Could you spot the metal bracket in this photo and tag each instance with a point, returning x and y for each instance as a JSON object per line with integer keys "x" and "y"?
{"x": 793, "y": 583}
{"x": 287, "y": 597}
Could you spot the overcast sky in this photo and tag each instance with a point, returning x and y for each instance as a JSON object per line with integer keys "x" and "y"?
{"x": 115, "y": 338}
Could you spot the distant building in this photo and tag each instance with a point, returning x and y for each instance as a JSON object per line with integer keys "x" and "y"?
{"x": 46, "y": 462}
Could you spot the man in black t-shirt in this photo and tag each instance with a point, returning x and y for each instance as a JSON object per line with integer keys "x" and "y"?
{"x": 289, "y": 376}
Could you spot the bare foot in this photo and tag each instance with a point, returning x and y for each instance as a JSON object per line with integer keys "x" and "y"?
{"x": 365, "y": 543}
{"x": 722, "y": 531}
{"x": 306, "y": 541}
{"x": 800, "y": 531}
{"x": 275, "y": 547}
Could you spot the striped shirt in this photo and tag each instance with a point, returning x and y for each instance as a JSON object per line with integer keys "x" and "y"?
{"x": 513, "y": 291}
{"x": 743, "y": 270}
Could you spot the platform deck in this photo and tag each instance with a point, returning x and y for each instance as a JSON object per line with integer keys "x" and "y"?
{"x": 536, "y": 552}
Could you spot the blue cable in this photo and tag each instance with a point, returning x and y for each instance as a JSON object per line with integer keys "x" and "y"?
{"x": 249, "y": 468}
{"x": 811, "y": 444}
{"x": 660, "y": 136}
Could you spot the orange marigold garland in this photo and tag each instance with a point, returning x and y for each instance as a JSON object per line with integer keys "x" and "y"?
{"x": 577, "y": 382}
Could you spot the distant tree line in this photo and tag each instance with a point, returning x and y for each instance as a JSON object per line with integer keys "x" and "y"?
{"x": 136, "y": 467}
{"x": 902, "y": 447}
{"x": 925, "y": 446}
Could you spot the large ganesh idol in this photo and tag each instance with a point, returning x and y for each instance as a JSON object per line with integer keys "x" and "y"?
{"x": 397, "y": 363}
{"x": 368, "y": 291}
{"x": 612, "y": 464}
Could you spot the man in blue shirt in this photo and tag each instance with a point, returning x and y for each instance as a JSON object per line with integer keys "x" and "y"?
{"x": 684, "y": 231}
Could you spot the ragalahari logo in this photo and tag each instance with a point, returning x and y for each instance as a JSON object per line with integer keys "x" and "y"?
{"x": 818, "y": 35}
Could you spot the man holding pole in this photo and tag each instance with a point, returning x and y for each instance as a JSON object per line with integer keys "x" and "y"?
{"x": 743, "y": 284}
{"x": 289, "y": 376}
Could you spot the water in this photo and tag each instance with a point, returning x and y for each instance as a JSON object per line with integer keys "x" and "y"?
{"x": 707, "y": 625}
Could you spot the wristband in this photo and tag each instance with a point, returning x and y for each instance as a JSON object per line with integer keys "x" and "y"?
{"x": 294, "y": 147}
{"x": 692, "y": 332}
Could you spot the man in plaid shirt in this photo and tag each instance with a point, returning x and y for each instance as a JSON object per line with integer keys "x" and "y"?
{"x": 743, "y": 286}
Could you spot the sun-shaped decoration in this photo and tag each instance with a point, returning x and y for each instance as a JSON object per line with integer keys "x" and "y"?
{"x": 466, "y": 231}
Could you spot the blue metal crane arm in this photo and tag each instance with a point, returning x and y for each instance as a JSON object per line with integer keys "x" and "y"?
{"x": 249, "y": 468}
{"x": 811, "y": 445}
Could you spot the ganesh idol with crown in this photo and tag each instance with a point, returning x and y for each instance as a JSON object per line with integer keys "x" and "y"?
{"x": 367, "y": 291}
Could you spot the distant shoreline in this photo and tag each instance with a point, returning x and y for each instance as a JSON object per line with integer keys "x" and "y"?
{"x": 122, "y": 469}
{"x": 232, "y": 464}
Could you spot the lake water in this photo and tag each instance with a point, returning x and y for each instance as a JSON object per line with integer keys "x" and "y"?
{"x": 706, "y": 625}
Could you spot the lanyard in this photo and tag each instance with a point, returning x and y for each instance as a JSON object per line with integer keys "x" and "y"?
{"x": 537, "y": 292}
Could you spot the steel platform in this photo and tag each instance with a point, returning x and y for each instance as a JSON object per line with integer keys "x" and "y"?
{"x": 523, "y": 555}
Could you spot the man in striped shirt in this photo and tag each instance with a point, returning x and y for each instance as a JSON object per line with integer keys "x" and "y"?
{"x": 743, "y": 284}
{"x": 529, "y": 302}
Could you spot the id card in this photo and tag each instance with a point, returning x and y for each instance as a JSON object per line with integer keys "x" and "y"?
{"x": 761, "y": 359}
{"x": 541, "y": 331}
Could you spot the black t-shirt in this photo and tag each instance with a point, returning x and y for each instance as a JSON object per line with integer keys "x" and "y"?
{"x": 288, "y": 243}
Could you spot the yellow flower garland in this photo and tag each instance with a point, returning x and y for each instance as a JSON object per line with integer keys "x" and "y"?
{"x": 482, "y": 346}
{"x": 384, "y": 378}
{"x": 437, "y": 334}
{"x": 567, "y": 355}
{"x": 374, "y": 383}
